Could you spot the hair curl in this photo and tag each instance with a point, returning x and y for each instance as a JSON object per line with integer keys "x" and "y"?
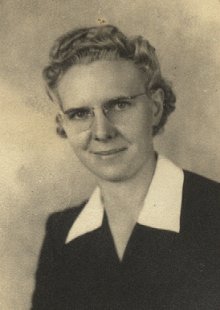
{"x": 107, "y": 42}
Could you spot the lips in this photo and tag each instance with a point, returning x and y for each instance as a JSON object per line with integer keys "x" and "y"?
{"x": 109, "y": 152}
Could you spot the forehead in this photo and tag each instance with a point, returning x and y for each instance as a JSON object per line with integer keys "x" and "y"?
{"x": 99, "y": 81}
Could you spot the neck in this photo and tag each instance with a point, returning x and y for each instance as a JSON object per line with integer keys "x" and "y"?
{"x": 125, "y": 199}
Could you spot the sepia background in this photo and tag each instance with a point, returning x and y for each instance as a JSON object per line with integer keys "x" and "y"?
{"x": 39, "y": 173}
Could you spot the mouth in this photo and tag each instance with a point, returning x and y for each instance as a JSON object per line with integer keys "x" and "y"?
{"x": 109, "y": 152}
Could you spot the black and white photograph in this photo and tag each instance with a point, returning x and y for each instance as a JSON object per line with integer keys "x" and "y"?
{"x": 110, "y": 155}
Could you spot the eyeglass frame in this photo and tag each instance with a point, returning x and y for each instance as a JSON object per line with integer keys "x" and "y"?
{"x": 103, "y": 106}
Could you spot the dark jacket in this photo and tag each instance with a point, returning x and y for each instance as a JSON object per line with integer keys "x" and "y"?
{"x": 160, "y": 269}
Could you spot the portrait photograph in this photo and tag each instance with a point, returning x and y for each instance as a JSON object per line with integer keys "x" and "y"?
{"x": 110, "y": 155}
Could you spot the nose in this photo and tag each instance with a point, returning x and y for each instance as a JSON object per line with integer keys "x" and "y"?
{"x": 102, "y": 129}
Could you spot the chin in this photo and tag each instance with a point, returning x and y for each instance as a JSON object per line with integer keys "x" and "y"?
{"x": 111, "y": 175}
{"x": 111, "y": 169}
{"x": 113, "y": 178}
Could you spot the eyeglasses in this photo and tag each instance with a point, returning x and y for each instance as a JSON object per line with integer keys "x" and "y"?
{"x": 118, "y": 111}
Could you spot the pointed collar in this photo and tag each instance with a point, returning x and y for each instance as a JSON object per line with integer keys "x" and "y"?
{"x": 161, "y": 209}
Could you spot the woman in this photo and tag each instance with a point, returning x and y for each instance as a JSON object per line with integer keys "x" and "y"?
{"x": 147, "y": 237}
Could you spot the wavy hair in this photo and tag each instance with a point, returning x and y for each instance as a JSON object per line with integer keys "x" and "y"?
{"x": 86, "y": 45}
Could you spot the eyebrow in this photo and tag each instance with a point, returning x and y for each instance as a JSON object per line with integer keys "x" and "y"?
{"x": 120, "y": 98}
{"x": 71, "y": 110}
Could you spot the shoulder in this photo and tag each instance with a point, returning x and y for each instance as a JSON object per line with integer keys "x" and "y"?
{"x": 197, "y": 179}
{"x": 59, "y": 223}
{"x": 201, "y": 206}
{"x": 200, "y": 188}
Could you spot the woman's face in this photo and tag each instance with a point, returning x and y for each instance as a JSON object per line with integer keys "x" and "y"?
{"x": 111, "y": 137}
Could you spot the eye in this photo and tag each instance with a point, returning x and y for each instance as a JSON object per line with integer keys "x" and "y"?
{"x": 119, "y": 106}
{"x": 80, "y": 114}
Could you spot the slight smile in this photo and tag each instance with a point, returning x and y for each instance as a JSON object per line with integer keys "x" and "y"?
{"x": 109, "y": 152}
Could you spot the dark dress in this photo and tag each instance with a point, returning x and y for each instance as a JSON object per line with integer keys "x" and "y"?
{"x": 160, "y": 269}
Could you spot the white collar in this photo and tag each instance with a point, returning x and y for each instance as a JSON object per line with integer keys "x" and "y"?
{"x": 162, "y": 205}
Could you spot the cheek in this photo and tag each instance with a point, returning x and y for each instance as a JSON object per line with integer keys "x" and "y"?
{"x": 78, "y": 142}
{"x": 137, "y": 130}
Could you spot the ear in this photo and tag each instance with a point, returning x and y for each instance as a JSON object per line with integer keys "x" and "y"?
{"x": 158, "y": 102}
{"x": 59, "y": 121}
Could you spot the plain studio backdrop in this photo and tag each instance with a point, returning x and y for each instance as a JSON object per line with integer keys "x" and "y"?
{"x": 39, "y": 173}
